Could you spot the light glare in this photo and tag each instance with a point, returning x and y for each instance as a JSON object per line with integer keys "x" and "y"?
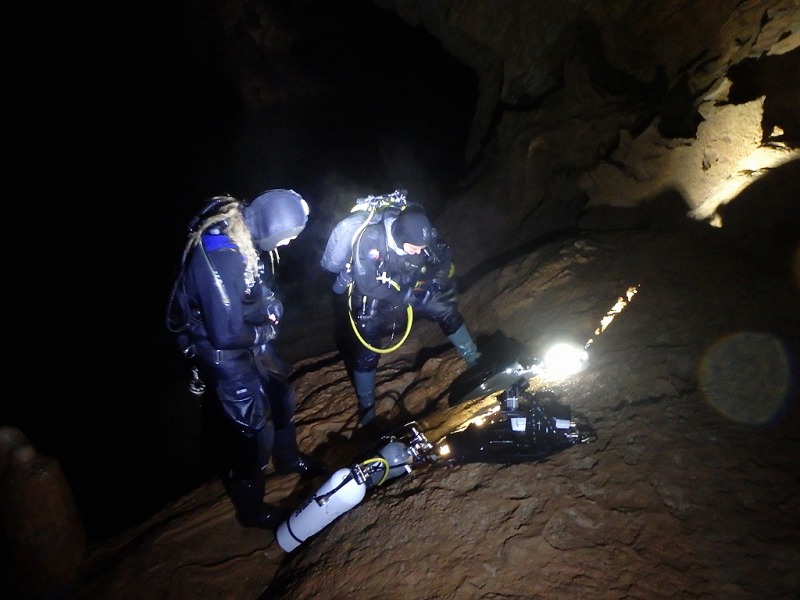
{"x": 564, "y": 359}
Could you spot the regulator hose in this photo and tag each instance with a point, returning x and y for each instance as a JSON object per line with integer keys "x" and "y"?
{"x": 409, "y": 322}
{"x": 381, "y": 462}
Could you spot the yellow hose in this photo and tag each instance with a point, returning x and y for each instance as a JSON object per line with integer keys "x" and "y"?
{"x": 382, "y": 461}
{"x": 409, "y": 310}
{"x": 409, "y": 320}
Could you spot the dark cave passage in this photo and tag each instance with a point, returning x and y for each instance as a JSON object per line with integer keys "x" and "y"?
{"x": 361, "y": 101}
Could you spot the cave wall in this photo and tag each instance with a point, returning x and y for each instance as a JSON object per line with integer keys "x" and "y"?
{"x": 585, "y": 110}
{"x": 586, "y": 106}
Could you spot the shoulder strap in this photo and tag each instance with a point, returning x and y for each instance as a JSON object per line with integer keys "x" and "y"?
{"x": 177, "y": 306}
{"x": 358, "y": 232}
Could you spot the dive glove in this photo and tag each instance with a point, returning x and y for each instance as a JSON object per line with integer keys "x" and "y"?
{"x": 408, "y": 298}
{"x": 439, "y": 301}
{"x": 272, "y": 308}
{"x": 265, "y": 333}
{"x": 443, "y": 285}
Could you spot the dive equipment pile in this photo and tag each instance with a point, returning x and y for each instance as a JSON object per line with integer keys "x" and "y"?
{"x": 520, "y": 427}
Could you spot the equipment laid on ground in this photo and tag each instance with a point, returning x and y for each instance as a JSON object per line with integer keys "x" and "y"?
{"x": 524, "y": 427}
{"x": 520, "y": 427}
{"x": 561, "y": 360}
{"x": 347, "y": 487}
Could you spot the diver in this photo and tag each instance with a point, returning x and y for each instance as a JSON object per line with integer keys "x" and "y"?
{"x": 401, "y": 270}
{"x": 226, "y": 315}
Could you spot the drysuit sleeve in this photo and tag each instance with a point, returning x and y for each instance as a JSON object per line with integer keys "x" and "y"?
{"x": 440, "y": 259}
{"x": 217, "y": 277}
{"x": 371, "y": 273}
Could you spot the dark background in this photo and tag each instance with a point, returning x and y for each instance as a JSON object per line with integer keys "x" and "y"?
{"x": 371, "y": 104}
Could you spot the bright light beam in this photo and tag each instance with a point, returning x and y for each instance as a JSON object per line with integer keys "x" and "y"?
{"x": 563, "y": 360}
{"x": 618, "y": 307}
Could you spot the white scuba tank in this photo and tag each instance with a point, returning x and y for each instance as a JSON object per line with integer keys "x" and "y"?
{"x": 343, "y": 490}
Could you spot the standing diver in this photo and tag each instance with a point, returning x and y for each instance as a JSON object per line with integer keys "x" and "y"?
{"x": 401, "y": 268}
{"x": 226, "y": 315}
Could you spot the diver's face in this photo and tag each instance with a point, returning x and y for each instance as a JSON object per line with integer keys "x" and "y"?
{"x": 285, "y": 242}
{"x": 412, "y": 248}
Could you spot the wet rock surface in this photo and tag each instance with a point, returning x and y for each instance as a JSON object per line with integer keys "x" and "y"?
{"x": 599, "y": 169}
{"x": 690, "y": 490}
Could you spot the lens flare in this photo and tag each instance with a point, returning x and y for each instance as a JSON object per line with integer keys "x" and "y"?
{"x": 748, "y": 377}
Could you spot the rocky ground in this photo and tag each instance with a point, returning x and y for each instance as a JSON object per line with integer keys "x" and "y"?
{"x": 691, "y": 489}
{"x": 574, "y": 226}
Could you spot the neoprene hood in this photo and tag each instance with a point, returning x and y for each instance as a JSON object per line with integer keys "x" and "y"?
{"x": 412, "y": 227}
{"x": 275, "y": 215}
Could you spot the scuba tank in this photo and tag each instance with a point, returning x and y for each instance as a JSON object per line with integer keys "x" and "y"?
{"x": 344, "y": 490}
{"x": 347, "y": 487}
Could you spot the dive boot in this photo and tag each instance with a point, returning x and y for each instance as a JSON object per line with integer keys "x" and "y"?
{"x": 466, "y": 347}
{"x": 251, "y": 510}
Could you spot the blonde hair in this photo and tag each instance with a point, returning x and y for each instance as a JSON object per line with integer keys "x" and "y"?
{"x": 239, "y": 233}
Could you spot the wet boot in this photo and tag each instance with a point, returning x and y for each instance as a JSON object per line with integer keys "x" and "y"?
{"x": 287, "y": 458}
{"x": 364, "y": 382}
{"x": 251, "y": 510}
{"x": 462, "y": 340}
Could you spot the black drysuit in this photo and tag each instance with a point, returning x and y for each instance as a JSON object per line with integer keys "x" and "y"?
{"x": 230, "y": 337}
{"x": 387, "y": 280}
